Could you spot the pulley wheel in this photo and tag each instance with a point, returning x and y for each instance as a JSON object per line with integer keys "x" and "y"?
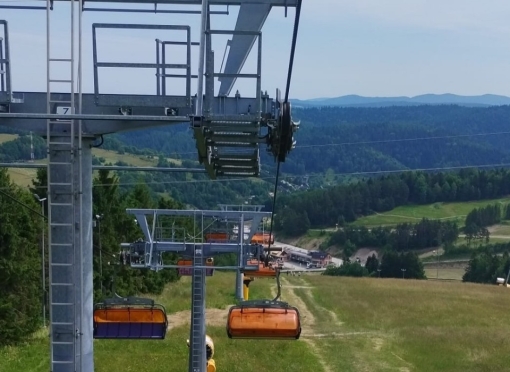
{"x": 285, "y": 131}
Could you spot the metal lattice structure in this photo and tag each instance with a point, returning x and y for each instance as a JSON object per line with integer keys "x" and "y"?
{"x": 196, "y": 243}
{"x": 228, "y": 132}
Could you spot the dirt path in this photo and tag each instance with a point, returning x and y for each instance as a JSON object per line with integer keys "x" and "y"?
{"x": 213, "y": 317}
{"x": 308, "y": 320}
{"x": 308, "y": 292}
{"x": 313, "y": 321}
{"x": 315, "y": 318}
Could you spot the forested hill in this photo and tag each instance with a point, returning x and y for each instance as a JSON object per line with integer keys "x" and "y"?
{"x": 298, "y": 212}
{"x": 424, "y": 99}
{"x": 348, "y": 140}
{"x": 331, "y": 140}
{"x": 324, "y": 132}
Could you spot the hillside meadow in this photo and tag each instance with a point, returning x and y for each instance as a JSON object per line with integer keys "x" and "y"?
{"x": 24, "y": 176}
{"x": 414, "y": 213}
{"x": 349, "y": 324}
{"x": 411, "y": 214}
{"x": 171, "y": 354}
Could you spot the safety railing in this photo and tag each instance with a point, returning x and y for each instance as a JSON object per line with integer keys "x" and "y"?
{"x": 161, "y": 70}
{"x": 210, "y": 74}
{"x": 160, "y": 99}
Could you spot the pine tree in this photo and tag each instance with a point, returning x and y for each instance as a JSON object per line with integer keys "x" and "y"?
{"x": 20, "y": 263}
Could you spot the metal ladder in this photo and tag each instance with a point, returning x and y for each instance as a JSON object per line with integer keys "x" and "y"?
{"x": 64, "y": 143}
{"x": 197, "y": 360}
{"x": 235, "y": 146}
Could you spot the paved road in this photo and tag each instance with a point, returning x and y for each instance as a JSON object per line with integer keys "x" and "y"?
{"x": 336, "y": 261}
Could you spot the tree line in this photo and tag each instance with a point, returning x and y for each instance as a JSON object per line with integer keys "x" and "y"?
{"x": 479, "y": 219}
{"x": 405, "y": 265}
{"x": 20, "y": 250}
{"x": 357, "y": 135}
{"x": 345, "y": 203}
{"x": 486, "y": 265}
{"x": 404, "y": 237}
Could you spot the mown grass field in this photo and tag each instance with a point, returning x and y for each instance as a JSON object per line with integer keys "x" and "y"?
{"x": 24, "y": 176}
{"x": 4, "y": 137}
{"x": 171, "y": 354}
{"x": 451, "y": 273}
{"x": 349, "y": 324}
{"x": 414, "y": 213}
{"x": 397, "y": 325}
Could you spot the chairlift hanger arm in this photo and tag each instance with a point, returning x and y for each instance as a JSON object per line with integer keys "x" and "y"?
{"x": 284, "y": 135}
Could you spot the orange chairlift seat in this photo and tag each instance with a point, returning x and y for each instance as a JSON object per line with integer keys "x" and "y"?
{"x": 262, "y": 238}
{"x": 216, "y": 237}
{"x": 129, "y": 318}
{"x": 264, "y": 319}
{"x": 187, "y": 271}
{"x": 263, "y": 271}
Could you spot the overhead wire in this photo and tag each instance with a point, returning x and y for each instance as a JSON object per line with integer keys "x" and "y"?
{"x": 393, "y": 140}
{"x": 402, "y": 170}
{"x": 428, "y": 138}
{"x": 20, "y": 202}
{"x": 286, "y": 101}
{"x": 404, "y": 139}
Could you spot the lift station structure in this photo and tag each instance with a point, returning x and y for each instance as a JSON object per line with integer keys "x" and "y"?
{"x": 228, "y": 131}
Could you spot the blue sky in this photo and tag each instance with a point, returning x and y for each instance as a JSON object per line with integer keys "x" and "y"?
{"x": 365, "y": 47}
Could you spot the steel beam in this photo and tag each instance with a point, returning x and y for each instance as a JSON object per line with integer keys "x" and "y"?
{"x": 168, "y": 119}
{"x": 186, "y": 249}
{"x": 148, "y": 169}
{"x": 231, "y": 215}
{"x": 240, "y": 259}
{"x": 34, "y": 103}
{"x": 112, "y": 167}
{"x": 278, "y": 3}
{"x": 141, "y": 216}
{"x": 152, "y": 11}
{"x": 201, "y": 58}
{"x": 251, "y": 18}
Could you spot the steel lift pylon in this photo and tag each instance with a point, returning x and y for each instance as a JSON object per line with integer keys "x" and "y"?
{"x": 227, "y": 130}
{"x": 155, "y": 245}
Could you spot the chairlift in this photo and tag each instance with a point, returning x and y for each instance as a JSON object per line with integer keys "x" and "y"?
{"x": 262, "y": 238}
{"x": 263, "y": 270}
{"x": 186, "y": 267}
{"x": 129, "y": 318}
{"x": 264, "y": 319}
{"x": 216, "y": 237}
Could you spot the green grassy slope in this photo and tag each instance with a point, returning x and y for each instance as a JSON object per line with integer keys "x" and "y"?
{"x": 414, "y": 213}
{"x": 171, "y": 354}
{"x": 349, "y": 324}
{"x": 24, "y": 176}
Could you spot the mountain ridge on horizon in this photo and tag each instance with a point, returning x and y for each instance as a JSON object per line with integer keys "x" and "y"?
{"x": 354, "y": 100}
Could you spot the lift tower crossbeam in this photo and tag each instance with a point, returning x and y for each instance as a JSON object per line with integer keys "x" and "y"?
{"x": 194, "y": 244}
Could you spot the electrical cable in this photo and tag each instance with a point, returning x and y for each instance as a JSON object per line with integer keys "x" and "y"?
{"x": 404, "y": 139}
{"x": 452, "y": 136}
{"x": 406, "y": 170}
{"x": 385, "y": 141}
{"x": 22, "y": 204}
{"x": 286, "y": 102}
